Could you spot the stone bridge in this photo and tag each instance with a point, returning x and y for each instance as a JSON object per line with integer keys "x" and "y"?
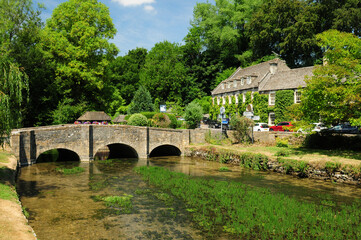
{"x": 86, "y": 140}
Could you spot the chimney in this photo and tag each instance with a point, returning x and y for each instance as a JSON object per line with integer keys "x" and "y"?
{"x": 273, "y": 67}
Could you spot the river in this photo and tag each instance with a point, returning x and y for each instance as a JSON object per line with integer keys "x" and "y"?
{"x": 66, "y": 207}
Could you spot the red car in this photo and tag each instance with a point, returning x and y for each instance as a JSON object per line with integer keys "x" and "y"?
{"x": 281, "y": 127}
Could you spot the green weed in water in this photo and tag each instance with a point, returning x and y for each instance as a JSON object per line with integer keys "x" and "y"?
{"x": 67, "y": 171}
{"x": 224, "y": 169}
{"x": 255, "y": 213}
{"x": 122, "y": 203}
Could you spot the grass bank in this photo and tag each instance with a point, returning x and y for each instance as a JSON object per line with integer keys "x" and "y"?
{"x": 13, "y": 224}
{"x": 335, "y": 165}
{"x": 245, "y": 212}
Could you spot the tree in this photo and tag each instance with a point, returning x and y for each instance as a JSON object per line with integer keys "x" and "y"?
{"x": 165, "y": 74}
{"x": 142, "y": 102}
{"x": 123, "y": 72}
{"x": 241, "y": 127}
{"x": 333, "y": 94}
{"x": 193, "y": 114}
{"x": 75, "y": 40}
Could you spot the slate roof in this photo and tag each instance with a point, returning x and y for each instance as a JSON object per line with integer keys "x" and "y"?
{"x": 256, "y": 72}
{"x": 94, "y": 116}
{"x": 291, "y": 79}
{"x": 119, "y": 119}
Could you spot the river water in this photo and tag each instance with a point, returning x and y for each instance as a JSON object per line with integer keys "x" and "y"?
{"x": 66, "y": 206}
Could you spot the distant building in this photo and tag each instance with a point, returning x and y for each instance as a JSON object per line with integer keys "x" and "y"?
{"x": 95, "y": 117}
{"x": 265, "y": 78}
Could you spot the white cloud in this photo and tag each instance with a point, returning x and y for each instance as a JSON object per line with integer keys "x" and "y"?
{"x": 128, "y": 3}
{"x": 150, "y": 8}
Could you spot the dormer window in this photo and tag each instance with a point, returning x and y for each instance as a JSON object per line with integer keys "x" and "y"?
{"x": 242, "y": 81}
{"x": 228, "y": 85}
{"x": 222, "y": 85}
{"x": 249, "y": 80}
{"x": 235, "y": 83}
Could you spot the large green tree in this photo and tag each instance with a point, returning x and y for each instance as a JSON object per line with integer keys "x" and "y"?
{"x": 166, "y": 76}
{"x": 333, "y": 94}
{"x": 76, "y": 41}
{"x": 19, "y": 25}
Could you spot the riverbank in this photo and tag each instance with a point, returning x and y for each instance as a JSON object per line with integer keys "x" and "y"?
{"x": 336, "y": 166}
{"x": 13, "y": 224}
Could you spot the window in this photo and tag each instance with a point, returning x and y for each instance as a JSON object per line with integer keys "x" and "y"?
{"x": 242, "y": 81}
{"x": 272, "y": 98}
{"x": 235, "y": 83}
{"x": 218, "y": 100}
{"x": 271, "y": 118}
{"x": 244, "y": 97}
{"x": 236, "y": 97}
{"x": 249, "y": 80}
{"x": 222, "y": 85}
{"x": 297, "y": 97}
{"x": 228, "y": 84}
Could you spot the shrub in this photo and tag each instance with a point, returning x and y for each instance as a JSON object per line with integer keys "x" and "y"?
{"x": 282, "y": 143}
{"x": 138, "y": 120}
{"x": 142, "y": 101}
{"x": 193, "y": 115}
{"x": 161, "y": 120}
{"x": 148, "y": 115}
{"x": 173, "y": 120}
{"x": 241, "y": 127}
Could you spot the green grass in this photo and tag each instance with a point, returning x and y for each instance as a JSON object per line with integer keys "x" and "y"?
{"x": 69, "y": 171}
{"x": 7, "y": 192}
{"x": 4, "y": 157}
{"x": 255, "y": 213}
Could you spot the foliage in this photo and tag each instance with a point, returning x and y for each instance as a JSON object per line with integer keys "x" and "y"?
{"x": 161, "y": 120}
{"x": 67, "y": 112}
{"x": 75, "y": 40}
{"x": 260, "y": 106}
{"x": 281, "y": 143}
{"x": 224, "y": 75}
{"x": 241, "y": 127}
{"x": 149, "y": 115}
{"x": 214, "y": 111}
{"x": 193, "y": 114}
{"x": 138, "y": 119}
{"x": 173, "y": 120}
{"x": 142, "y": 101}
{"x": 333, "y": 94}
{"x": 120, "y": 203}
{"x": 284, "y": 99}
{"x": 165, "y": 74}
{"x": 123, "y": 72}
{"x": 205, "y": 102}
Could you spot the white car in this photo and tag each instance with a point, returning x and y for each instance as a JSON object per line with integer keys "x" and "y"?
{"x": 260, "y": 127}
{"x": 318, "y": 127}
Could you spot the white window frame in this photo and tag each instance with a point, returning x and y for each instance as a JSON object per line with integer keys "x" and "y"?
{"x": 236, "y": 97}
{"x": 222, "y": 85}
{"x": 272, "y": 100}
{"x": 242, "y": 81}
{"x": 297, "y": 96}
{"x": 243, "y": 97}
{"x": 271, "y": 120}
{"x": 235, "y": 83}
{"x": 249, "y": 80}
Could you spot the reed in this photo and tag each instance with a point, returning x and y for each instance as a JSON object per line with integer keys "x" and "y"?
{"x": 255, "y": 213}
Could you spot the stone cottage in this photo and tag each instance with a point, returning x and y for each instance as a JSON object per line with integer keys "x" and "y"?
{"x": 265, "y": 78}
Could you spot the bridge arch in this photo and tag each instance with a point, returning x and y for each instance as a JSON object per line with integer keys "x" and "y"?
{"x": 165, "y": 150}
{"x": 116, "y": 150}
{"x": 57, "y": 154}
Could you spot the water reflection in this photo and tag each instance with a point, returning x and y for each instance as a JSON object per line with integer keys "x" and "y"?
{"x": 64, "y": 206}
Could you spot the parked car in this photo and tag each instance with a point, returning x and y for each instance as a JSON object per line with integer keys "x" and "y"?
{"x": 260, "y": 127}
{"x": 318, "y": 127}
{"x": 342, "y": 128}
{"x": 282, "y": 126}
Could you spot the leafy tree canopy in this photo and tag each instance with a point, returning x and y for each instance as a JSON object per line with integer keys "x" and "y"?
{"x": 333, "y": 94}
{"x": 76, "y": 41}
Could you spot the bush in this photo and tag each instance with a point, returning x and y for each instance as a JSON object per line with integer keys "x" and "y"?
{"x": 138, "y": 120}
{"x": 161, "y": 120}
{"x": 142, "y": 102}
{"x": 242, "y": 127}
{"x": 193, "y": 114}
{"x": 173, "y": 120}
{"x": 148, "y": 115}
{"x": 281, "y": 143}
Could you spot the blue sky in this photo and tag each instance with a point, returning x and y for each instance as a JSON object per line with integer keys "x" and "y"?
{"x": 142, "y": 23}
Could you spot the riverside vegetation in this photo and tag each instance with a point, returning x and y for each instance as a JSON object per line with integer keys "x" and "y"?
{"x": 255, "y": 213}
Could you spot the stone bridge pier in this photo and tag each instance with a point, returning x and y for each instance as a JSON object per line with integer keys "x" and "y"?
{"x": 85, "y": 140}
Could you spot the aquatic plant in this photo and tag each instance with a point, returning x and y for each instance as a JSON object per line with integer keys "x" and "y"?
{"x": 122, "y": 203}
{"x": 224, "y": 169}
{"x": 69, "y": 171}
{"x": 255, "y": 213}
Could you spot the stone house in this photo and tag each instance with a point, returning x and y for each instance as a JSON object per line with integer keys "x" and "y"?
{"x": 264, "y": 78}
